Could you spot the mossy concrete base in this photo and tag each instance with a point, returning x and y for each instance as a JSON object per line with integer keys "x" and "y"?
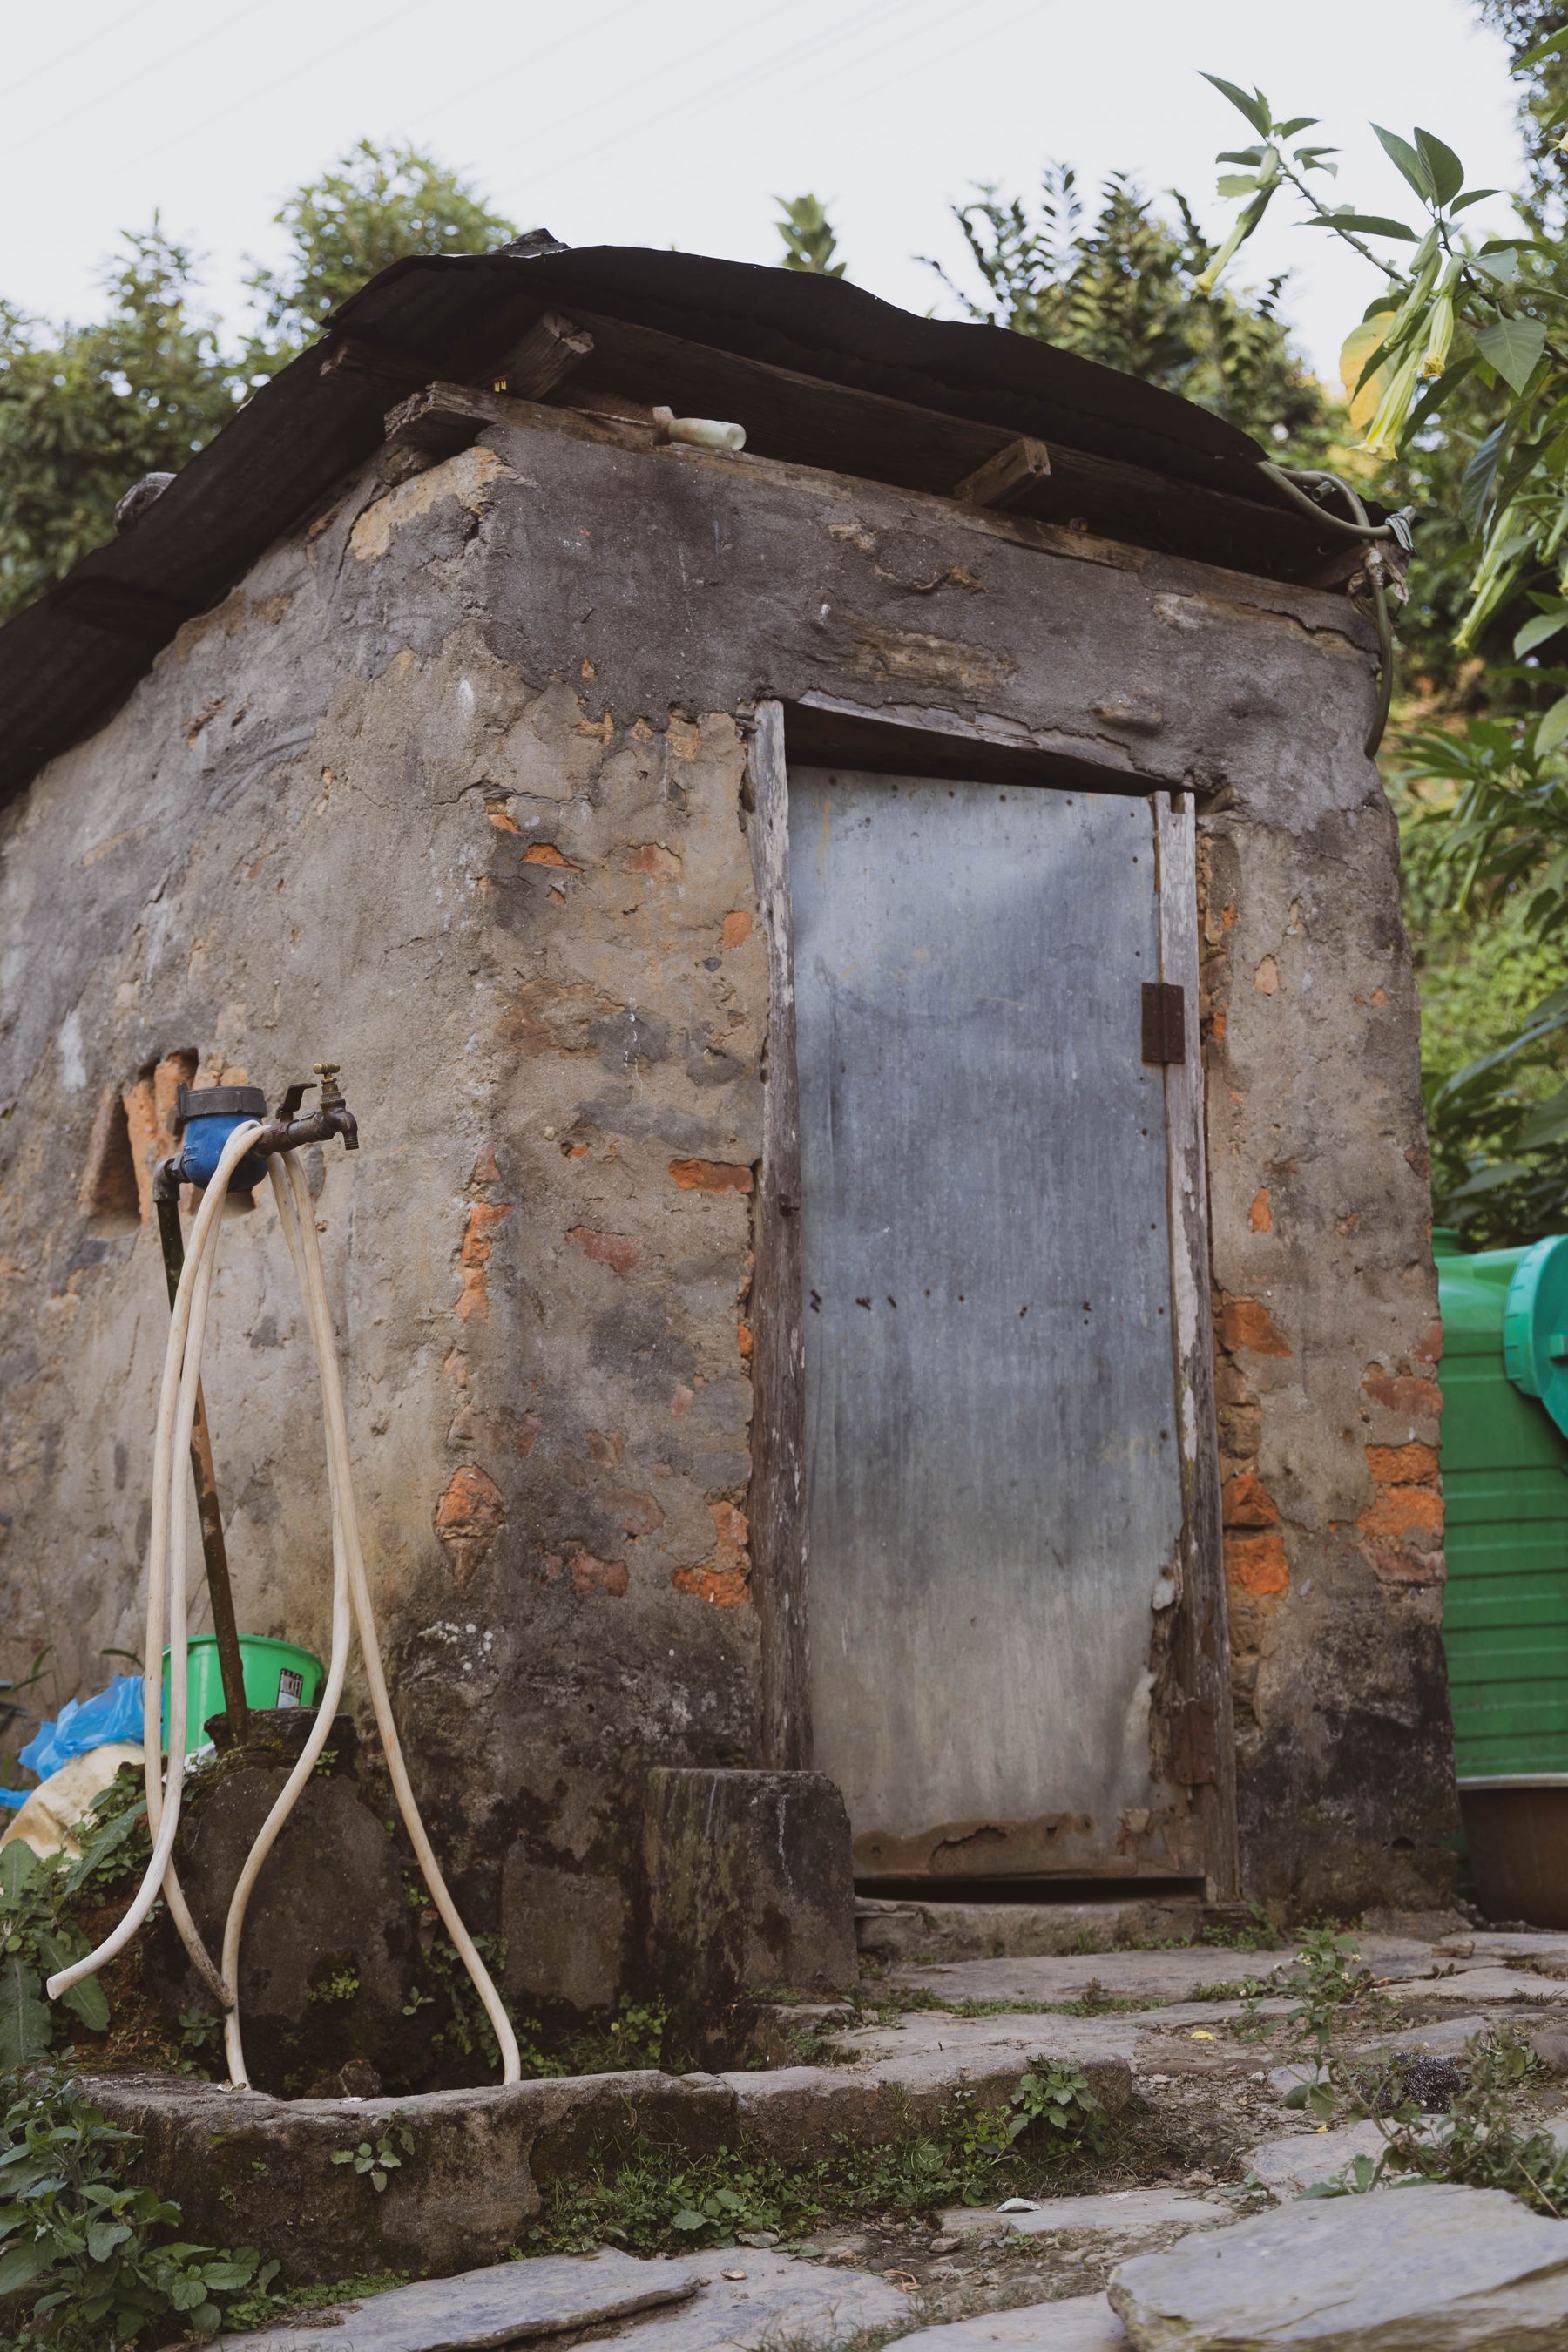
{"x": 248, "y": 2169}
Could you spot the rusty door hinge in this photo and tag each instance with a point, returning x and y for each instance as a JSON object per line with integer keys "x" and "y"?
{"x": 1164, "y": 1022}
{"x": 1194, "y": 1744}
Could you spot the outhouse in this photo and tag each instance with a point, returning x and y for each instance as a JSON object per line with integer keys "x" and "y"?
{"x": 893, "y": 1227}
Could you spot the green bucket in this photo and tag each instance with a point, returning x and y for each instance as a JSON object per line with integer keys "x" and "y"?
{"x": 277, "y": 1673}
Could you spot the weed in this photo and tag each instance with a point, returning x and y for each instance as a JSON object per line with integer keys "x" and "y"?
{"x": 200, "y": 2038}
{"x": 634, "y": 2036}
{"x": 1478, "y": 2143}
{"x": 88, "y": 2261}
{"x": 377, "y": 2160}
{"x": 342, "y": 1984}
{"x": 808, "y": 2046}
{"x": 1256, "y": 1933}
{"x": 650, "y": 2199}
{"x": 467, "y": 2031}
{"x": 38, "y": 1931}
{"x": 1095, "y": 2001}
{"x": 1333, "y": 1990}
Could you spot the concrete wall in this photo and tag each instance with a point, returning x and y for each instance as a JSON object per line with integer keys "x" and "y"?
{"x": 450, "y": 790}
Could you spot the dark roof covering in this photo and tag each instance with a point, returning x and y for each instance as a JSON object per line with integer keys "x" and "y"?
{"x": 69, "y": 660}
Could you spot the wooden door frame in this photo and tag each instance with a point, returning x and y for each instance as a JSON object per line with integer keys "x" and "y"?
{"x": 1198, "y": 1702}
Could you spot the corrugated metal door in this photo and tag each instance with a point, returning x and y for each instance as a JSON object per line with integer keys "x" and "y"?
{"x": 991, "y": 1425}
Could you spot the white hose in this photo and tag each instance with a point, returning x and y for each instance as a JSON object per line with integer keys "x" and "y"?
{"x": 350, "y": 1599}
{"x": 319, "y": 1313}
{"x": 326, "y": 1713}
{"x": 166, "y": 1570}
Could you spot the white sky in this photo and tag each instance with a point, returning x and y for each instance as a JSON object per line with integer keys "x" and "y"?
{"x": 616, "y": 121}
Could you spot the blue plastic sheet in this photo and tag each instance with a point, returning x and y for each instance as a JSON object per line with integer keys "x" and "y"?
{"x": 82, "y": 1724}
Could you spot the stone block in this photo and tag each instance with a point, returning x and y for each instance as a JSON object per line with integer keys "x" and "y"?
{"x": 750, "y": 1884}
{"x": 903, "y": 1929}
{"x": 330, "y": 1950}
{"x": 1444, "y": 2268}
{"x": 564, "y": 1932}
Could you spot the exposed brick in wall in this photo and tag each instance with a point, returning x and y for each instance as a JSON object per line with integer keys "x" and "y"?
{"x": 1331, "y": 1487}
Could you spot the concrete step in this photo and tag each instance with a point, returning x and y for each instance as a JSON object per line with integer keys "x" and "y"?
{"x": 902, "y": 1928}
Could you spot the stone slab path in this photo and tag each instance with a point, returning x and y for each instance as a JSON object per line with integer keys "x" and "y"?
{"x": 1084, "y": 2323}
{"x": 750, "y": 2299}
{"x": 1121, "y": 2210}
{"x": 1446, "y": 2269}
{"x": 514, "y": 2303}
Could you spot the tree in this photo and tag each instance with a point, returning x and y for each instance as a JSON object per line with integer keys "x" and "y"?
{"x": 1125, "y": 286}
{"x": 1461, "y": 360}
{"x": 369, "y": 210}
{"x": 85, "y": 411}
{"x": 809, "y": 242}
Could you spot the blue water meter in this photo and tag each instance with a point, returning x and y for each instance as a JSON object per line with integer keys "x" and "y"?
{"x": 205, "y": 1118}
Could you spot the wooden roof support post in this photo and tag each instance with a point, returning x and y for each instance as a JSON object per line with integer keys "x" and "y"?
{"x": 1006, "y": 477}
{"x": 443, "y": 418}
{"x": 549, "y": 351}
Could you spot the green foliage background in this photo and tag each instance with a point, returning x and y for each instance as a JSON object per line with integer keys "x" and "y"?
{"x": 87, "y": 410}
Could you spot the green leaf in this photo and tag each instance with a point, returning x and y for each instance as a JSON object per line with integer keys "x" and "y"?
{"x": 1544, "y": 49}
{"x": 1473, "y": 196}
{"x": 1433, "y": 397}
{"x": 1444, "y": 168}
{"x": 1237, "y": 184}
{"x": 1512, "y": 347}
{"x": 1365, "y": 223}
{"x": 20, "y": 2265}
{"x": 1241, "y": 155}
{"x": 19, "y": 1868}
{"x": 88, "y": 2001}
{"x": 1503, "y": 265}
{"x": 236, "y": 2272}
{"x": 1297, "y": 122}
{"x": 686, "y": 2219}
{"x": 1552, "y": 727}
{"x": 1546, "y": 1126}
{"x": 102, "y": 2237}
{"x": 1536, "y": 632}
{"x": 1296, "y": 2097}
{"x": 1475, "y": 489}
{"x": 1405, "y": 157}
{"x": 26, "y": 2026}
{"x": 1255, "y": 108}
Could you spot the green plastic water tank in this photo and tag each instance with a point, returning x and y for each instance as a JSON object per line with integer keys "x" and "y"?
{"x": 1505, "y": 1485}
